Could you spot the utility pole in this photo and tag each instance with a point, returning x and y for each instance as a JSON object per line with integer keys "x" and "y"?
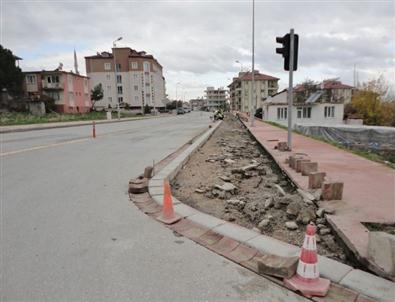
{"x": 252, "y": 95}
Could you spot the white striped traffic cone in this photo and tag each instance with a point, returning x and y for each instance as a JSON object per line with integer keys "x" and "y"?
{"x": 307, "y": 279}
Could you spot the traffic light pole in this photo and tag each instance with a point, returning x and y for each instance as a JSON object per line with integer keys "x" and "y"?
{"x": 290, "y": 88}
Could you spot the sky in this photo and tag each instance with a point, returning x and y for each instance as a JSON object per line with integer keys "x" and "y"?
{"x": 198, "y": 42}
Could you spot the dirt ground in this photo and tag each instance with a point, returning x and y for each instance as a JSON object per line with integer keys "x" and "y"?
{"x": 232, "y": 178}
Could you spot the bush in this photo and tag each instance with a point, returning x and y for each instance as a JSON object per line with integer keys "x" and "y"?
{"x": 147, "y": 109}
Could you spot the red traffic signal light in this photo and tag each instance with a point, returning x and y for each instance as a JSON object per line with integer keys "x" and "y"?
{"x": 286, "y": 49}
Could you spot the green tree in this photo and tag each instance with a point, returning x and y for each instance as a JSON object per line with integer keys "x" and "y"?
{"x": 11, "y": 76}
{"x": 96, "y": 94}
{"x": 147, "y": 109}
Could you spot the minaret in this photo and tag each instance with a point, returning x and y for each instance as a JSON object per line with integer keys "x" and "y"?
{"x": 75, "y": 63}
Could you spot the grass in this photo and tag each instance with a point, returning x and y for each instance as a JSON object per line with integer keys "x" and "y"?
{"x": 365, "y": 154}
{"x": 9, "y": 119}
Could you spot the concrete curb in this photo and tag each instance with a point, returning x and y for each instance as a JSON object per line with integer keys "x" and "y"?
{"x": 32, "y": 127}
{"x": 337, "y": 272}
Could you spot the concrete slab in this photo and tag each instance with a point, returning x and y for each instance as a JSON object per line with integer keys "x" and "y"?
{"x": 273, "y": 246}
{"x": 235, "y": 232}
{"x": 156, "y": 191}
{"x": 205, "y": 220}
{"x": 370, "y": 285}
{"x": 158, "y": 199}
{"x": 155, "y": 183}
{"x": 332, "y": 270}
{"x": 184, "y": 210}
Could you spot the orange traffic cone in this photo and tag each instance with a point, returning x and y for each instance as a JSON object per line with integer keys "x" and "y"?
{"x": 307, "y": 279}
{"x": 168, "y": 216}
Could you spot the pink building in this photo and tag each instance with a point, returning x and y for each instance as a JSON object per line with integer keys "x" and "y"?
{"x": 69, "y": 90}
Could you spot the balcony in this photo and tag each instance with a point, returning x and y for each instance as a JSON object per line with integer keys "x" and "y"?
{"x": 52, "y": 86}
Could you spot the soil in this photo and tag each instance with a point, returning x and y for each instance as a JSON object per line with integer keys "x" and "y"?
{"x": 263, "y": 198}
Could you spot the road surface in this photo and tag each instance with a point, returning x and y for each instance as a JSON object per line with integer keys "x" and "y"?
{"x": 70, "y": 233}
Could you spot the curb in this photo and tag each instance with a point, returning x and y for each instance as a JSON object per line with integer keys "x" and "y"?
{"x": 339, "y": 273}
{"x": 75, "y": 124}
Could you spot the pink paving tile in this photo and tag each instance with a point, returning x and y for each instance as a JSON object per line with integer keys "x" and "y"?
{"x": 242, "y": 253}
{"x": 338, "y": 293}
{"x": 209, "y": 238}
{"x": 224, "y": 246}
{"x": 369, "y": 187}
{"x": 363, "y": 298}
{"x": 189, "y": 229}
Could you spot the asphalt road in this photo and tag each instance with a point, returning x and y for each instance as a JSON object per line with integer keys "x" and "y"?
{"x": 70, "y": 233}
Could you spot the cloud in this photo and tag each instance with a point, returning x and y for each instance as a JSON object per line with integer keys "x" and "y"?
{"x": 198, "y": 42}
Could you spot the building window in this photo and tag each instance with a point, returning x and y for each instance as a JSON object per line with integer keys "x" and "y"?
{"x": 120, "y": 90}
{"x": 282, "y": 113}
{"x": 136, "y": 98}
{"x": 299, "y": 112}
{"x": 146, "y": 66}
{"x": 136, "y": 76}
{"x": 108, "y": 76}
{"x": 329, "y": 111}
{"x": 118, "y": 67}
{"x": 107, "y": 66}
{"x": 109, "y": 88}
{"x": 110, "y": 99}
{"x": 134, "y": 65}
{"x": 136, "y": 88}
{"x": 119, "y": 79}
{"x": 306, "y": 112}
{"x": 120, "y": 99}
{"x": 31, "y": 79}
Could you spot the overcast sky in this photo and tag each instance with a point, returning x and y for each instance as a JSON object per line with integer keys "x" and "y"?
{"x": 198, "y": 42}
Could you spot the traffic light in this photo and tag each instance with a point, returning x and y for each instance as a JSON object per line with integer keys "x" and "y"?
{"x": 285, "y": 50}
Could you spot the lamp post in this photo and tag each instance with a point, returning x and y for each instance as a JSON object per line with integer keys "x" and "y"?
{"x": 115, "y": 74}
{"x": 178, "y": 83}
{"x": 241, "y": 65}
{"x": 252, "y": 98}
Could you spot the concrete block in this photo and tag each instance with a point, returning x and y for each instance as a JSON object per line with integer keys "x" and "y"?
{"x": 298, "y": 164}
{"x": 235, "y": 232}
{"x": 269, "y": 245}
{"x": 283, "y": 267}
{"x": 184, "y": 210}
{"x": 205, "y": 220}
{"x": 308, "y": 167}
{"x": 292, "y": 160}
{"x": 381, "y": 250}
{"x": 332, "y": 269}
{"x": 370, "y": 285}
{"x": 332, "y": 190}
{"x": 156, "y": 191}
{"x": 316, "y": 179}
{"x": 148, "y": 172}
{"x": 158, "y": 199}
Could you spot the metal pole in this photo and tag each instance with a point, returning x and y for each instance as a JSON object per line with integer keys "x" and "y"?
{"x": 116, "y": 82}
{"x": 290, "y": 88}
{"x": 252, "y": 96}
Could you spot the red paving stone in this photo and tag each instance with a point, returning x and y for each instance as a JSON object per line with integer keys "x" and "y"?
{"x": 209, "y": 238}
{"x": 224, "y": 246}
{"x": 338, "y": 293}
{"x": 242, "y": 253}
{"x": 369, "y": 187}
{"x": 363, "y": 298}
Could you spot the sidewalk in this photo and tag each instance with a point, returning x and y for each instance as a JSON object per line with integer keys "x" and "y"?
{"x": 21, "y": 128}
{"x": 369, "y": 187}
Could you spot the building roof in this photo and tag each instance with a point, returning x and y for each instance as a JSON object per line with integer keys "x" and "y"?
{"x": 333, "y": 84}
{"x": 55, "y": 71}
{"x": 247, "y": 76}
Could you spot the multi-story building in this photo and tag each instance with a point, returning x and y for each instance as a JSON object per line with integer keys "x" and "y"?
{"x": 69, "y": 90}
{"x": 241, "y": 88}
{"x": 215, "y": 98}
{"x": 198, "y": 104}
{"x": 136, "y": 81}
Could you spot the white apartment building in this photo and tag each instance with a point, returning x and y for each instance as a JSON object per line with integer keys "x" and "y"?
{"x": 136, "y": 81}
{"x": 215, "y": 98}
{"x": 241, "y": 88}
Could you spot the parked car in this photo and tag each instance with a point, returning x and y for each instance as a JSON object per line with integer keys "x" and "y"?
{"x": 180, "y": 110}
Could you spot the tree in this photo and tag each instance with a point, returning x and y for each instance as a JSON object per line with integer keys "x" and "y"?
{"x": 373, "y": 104}
{"x": 11, "y": 76}
{"x": 96, "y": 94}
{"x": 147, "y": 109}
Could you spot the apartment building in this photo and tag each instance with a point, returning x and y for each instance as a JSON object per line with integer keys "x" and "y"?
{"x": 128, "y": 77}
{"x": 241, "y": 89}
{"x": 69, "y": 90}
{"x": 215, "y": 98}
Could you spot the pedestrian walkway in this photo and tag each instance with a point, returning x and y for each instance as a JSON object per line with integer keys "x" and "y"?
{"x": 369, "y": 187}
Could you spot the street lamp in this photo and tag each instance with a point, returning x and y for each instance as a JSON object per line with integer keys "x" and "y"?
{"x": 115, "y": 74}
{"x": 241, "y": 65}
{"x": 178, "y": 83}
